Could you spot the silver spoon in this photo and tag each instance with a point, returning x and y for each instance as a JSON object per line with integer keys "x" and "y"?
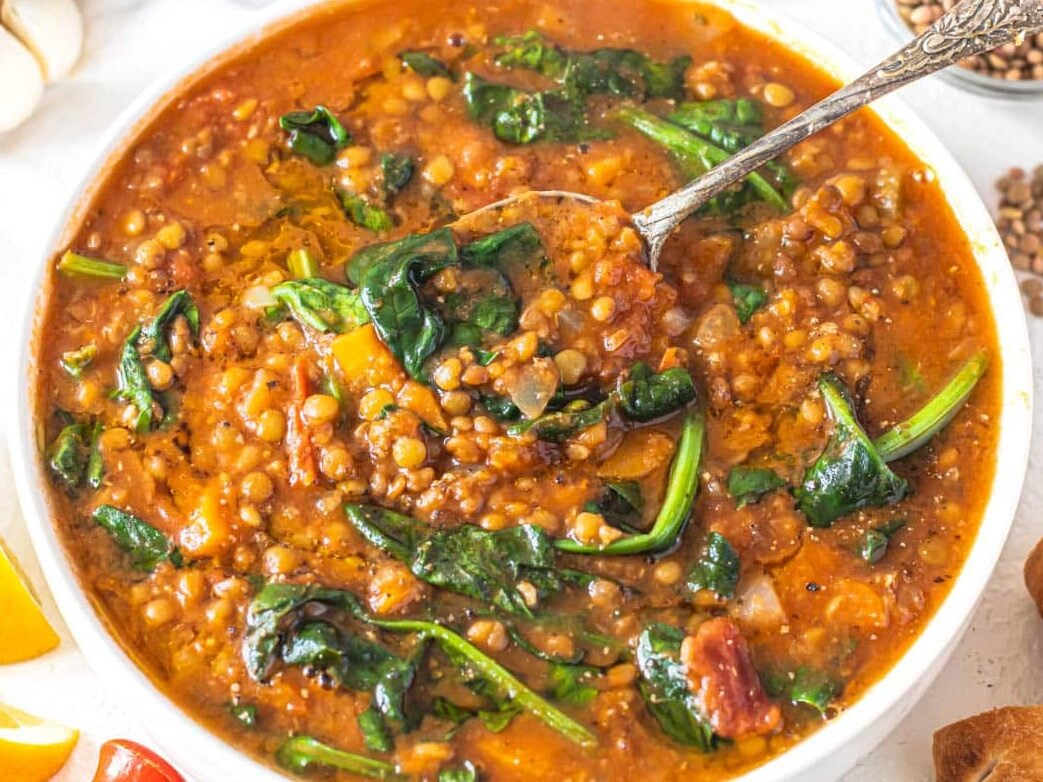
{"x": 970, "y": 28}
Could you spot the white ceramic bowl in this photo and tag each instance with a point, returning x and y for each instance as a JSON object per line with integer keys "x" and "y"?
{"x": 821, "y": 758}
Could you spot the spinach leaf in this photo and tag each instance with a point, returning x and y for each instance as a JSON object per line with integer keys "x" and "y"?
{"x": 916, "y": 431}
{"x": 518, "y": 245}
{"x": 681, "y": 488}
{"x": 621, "y": 72}
{"x": 154, "y": 340}
{"x": 850, "y": 474}
{"x": 390, "y": 287}
{"x": 145, "y": 544}
{"x": 301, "y": 752}
{"x": 302, "y": 264}
{"x": 397, "y": 171}
{"x": 806, "y": 685}
{"x": 717, "y": 568}
{"x": 533, "y": 52}
{"x": 664, "y": 687}
{"x": 244, "y": 714}
{"x": 76, "y": 265}
{"x": 362, "y": 213}
{"x": 568, "y": 683}
{"x": 499, "y": 407}
{"x": 424, "y": 64}
{"x": 495, "y": 720}
{"x": 619, "y": 503}
{"x": 75, "y": 361}
{"x": 133, "y": 383}
{"x": 696, "y": 155}
{"x": 322, "y": 305}
{"x": 434, "y": 248}
{"x": 520, "y": 117}
{"x": 733, "y": 125}
{"x": 645, "y": 396}
{"x": 748, "y": 484}
{"x": 317, "y": 134}
{"x": 356, "y": 664}
{"x": 498, "y": 683}
{"x": 560, "y": 426}
{"x": 466, "y": 559}
{"x": 275, "y": 604}
{"x": 528, "y": 647}
{"x": 874, "y": 542}
{"x": 747, "y": 299}
{"x": 67, "y": 457}
{"x": 465, "y": 773}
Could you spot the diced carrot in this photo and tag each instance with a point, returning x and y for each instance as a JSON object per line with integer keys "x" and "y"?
{"x": 365, "y": 361}
{"x": 303, "y": 471}
{"x": 640, "y": 454}
{"x": 422, "y": 400}
{"x": 208, "y": 532}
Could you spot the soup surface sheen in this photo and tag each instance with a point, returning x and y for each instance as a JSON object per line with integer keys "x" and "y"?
{"x": 372, "y": 490}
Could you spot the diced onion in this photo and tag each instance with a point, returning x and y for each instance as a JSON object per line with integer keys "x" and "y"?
{"x": 531, "y": 387}
{"x": 757, "y": 605}
{"x": 258, "y": 297}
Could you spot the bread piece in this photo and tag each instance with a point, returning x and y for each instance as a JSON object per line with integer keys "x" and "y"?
{"x": 1034, "y": 575}
{"x": 1004, "y": 745}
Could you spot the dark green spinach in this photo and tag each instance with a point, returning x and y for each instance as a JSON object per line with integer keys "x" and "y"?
{"x": 681, "y": 488}
{"x": 466, "y": 559}
{"x": 874, "y": 543}
{"x": 850, "y": 474}
{"x": 322, "y": 305}
{"x": 317, "y": 134}
{"x": 146, "y": 545}
{"x": 696, "y": 155}
{"x": 520, "y": 117}
{"x": 664, "y": 687}
{"x": 301, "y": 752}
{"x": 397, "y": 170}
{"x": 717, "y": 568}
{"x": 154, "y": 340}
{"x": 747, "y": 299}
{"x": 647, "y": 396}
{"x": 424, "y": 64}
{"x": 363, "y": 213}
{"x": 748, "y": 484}
{"x": 619, "y": 503}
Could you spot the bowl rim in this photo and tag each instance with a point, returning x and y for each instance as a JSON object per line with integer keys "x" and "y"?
{"x": 911, "y": 674}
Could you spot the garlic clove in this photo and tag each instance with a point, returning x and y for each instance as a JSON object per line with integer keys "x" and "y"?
{"x": 21, "y": 85}
{"x": 51, "y": 29}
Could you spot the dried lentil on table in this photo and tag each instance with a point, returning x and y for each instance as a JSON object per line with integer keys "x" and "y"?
{"x": 1020, "y": 222}
{"x": 1022, "y": 62}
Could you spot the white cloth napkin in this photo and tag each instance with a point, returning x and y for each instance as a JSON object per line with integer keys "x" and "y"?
{"x": 130, "y": 41}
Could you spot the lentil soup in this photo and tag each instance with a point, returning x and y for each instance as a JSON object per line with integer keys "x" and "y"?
{"x": 375, "y": 489}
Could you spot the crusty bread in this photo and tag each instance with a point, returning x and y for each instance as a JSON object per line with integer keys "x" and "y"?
{"x": 1034, "y": 575}
{"x": 1004, "y": 745}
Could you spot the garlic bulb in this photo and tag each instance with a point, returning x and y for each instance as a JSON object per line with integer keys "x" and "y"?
{"x": 51, "y": 29}
{"x": 21, "y": 84}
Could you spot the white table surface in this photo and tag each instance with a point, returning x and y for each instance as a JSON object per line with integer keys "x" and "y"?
{"x": 999, "y": 662}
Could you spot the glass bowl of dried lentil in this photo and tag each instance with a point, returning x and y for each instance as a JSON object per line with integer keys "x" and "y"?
{"x": 1014, "y": 72}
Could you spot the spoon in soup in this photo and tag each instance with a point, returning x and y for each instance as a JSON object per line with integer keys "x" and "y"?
{"x": 972, "y": 27}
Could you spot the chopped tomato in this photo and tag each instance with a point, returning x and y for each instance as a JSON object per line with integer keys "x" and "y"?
{"x": 122, "y": 760}
{"x": 298, "y": 441}
{"x": 721, "y": 674}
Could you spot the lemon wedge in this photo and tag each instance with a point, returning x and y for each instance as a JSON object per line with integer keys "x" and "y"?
{"x": 32, "y": 750}
{"x": 24, "y": 631}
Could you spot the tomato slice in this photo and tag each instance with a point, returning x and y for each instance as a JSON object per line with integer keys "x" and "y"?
{"x": 122, "y": 760}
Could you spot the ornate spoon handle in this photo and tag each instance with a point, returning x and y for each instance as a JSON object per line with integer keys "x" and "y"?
{"x": 972, "y": 27}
